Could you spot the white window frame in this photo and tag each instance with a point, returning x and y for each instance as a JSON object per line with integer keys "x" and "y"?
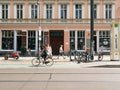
{"x": 76, "y": 39}
{"x": 6, "y": 11}
{"x": 80, "y": 9}
{"x": 63, "y": 9}
{"x": 34, "y": 9}
{"x": 15, "y": 10}
{"x": 108, "y": 10}
{"x": 50, "y": 10}
{"x": 97, "y": 11}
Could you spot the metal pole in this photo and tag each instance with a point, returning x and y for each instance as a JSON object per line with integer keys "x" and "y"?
{"x": 91, "y": 28}
{"x": 39, "y": 29}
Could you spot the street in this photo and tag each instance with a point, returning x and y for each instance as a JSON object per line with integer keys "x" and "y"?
{"x": 63, "y": 75}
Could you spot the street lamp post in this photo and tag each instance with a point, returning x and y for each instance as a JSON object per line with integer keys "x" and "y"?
{"x": 91, "y": 28}
{"x": 39, "y": 29}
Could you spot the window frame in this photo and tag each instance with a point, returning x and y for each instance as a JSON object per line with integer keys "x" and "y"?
{"x": 19, "y": 11}
{"x": 34, "y": 11}
{"x": 4, "y": 11}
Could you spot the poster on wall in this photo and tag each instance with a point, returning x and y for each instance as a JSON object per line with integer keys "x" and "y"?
{"x": 116, "y": 42}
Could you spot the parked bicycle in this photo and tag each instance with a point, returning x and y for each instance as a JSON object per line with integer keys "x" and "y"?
{"x": 85, "y": 57}
{"x": 74, "y": 56}
{"x": 100, "y": 54}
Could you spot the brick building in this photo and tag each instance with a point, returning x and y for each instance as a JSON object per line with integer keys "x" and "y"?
{"x": 64, "y": 22}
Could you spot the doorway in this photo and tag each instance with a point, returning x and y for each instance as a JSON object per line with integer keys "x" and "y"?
{"x": 56, "y": 39}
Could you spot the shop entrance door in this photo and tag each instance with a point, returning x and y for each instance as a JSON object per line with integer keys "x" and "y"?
{"x": 56, "y": 39}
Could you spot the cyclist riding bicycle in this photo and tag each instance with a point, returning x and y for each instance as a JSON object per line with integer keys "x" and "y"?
{"x": 45, "y": 57}
{"x": 46, "y": 52}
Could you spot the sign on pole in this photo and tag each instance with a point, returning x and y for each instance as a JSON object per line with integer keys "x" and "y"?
{"x": 39, "y": 33}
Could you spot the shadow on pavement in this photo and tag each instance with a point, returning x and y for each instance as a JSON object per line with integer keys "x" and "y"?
{"x": 107, "y": 66}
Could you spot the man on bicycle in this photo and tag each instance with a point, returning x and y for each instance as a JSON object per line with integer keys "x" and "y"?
{"x": 46, "y": 52}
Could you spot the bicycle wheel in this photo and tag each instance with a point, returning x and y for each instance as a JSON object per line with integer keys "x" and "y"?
{"x": 83, "y": 59}
{"x": 35, "y": 62}
{"x": 100, "y": 57}
{"x": 49, "y": 62}
{"x": 90, "y": 58}
{"x": 78, "y": 57}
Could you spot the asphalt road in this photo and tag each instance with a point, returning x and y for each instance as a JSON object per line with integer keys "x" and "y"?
{"x": 60, "y": 79}
{"x": 63, "y": 75}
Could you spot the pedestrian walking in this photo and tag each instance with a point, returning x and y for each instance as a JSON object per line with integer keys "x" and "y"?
{"x": 61, "y": 52}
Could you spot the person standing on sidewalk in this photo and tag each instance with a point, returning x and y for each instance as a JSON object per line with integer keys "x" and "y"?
{"x": 61, "y": 52}
{"x": 49, "y": 51}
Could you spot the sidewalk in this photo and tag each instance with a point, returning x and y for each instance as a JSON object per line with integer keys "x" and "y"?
{"x": 25, "y": 62}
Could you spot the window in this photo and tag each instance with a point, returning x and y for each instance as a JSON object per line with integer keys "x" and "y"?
{"x": 78, "y": 11}
{"x": 7, "y": 39}
{"x": 72, "y": 40}
{"x": 81, "y": 40}
{"x": 77, "y": 40}
{"x": 34, "y": 11}
{"x": 4, "y": 11}
{"x": 104, "y": 40}
{"x": 31, "y": 40}
{"x": 63, "y": 11}
{"x": 19, "y": 11}
{"x": 49, "y": 11}
{"x": 108, "y": 11}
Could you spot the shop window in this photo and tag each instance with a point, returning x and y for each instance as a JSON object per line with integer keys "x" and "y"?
{"x": 31, "y": 39}
{"x": 7, "y": 39}
{"x": 72, "y": 40}
{"x": 104, "y": 40}
{"x": 81, "y": 40}
{"x": 77, "y": 40}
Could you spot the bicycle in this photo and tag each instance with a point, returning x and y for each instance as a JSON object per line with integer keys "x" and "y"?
{"x": 82, "y": 57}
{"x": 74, "y": 55}
{"x": 85, "y": 57}
{"x": 40, "y": 61}
{"x": 100, "y": 56}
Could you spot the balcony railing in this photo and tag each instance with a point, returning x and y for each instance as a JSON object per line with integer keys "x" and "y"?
{"x": 57, "y": 20}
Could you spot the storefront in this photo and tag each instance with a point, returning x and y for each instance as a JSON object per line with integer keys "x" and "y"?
{"x": 14, "y": 40}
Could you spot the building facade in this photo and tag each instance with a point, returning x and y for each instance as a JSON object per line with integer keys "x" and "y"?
{"x": 64, "y": 22}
